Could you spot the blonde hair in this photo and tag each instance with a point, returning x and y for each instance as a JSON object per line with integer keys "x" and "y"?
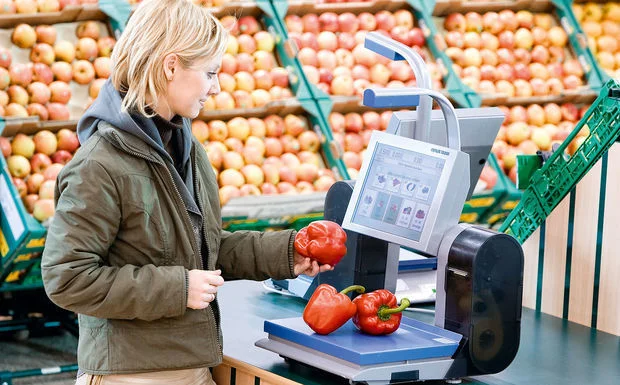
{"x": 158, "y": 28}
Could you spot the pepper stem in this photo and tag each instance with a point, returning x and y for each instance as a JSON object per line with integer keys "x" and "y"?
{"x": 358, "y": 288}
{"x": 385, "y": 312}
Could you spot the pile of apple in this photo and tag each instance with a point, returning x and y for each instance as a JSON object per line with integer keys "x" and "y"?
{"x": 601, "y": 23}
{"x": 255, "y": 156}
{"x": 352, "y": 132}
{"x": 250, "y": 76}
{"x": 34, "y": 163}
{"x": 332, "y": 53}
{"x": 515, "y": 54}
{"x": 535, "y": 127}
{"x": 41, "y": 87}
{"x": 38, "y": 6}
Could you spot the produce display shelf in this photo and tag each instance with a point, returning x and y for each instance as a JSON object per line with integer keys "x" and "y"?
{"x": 559, "y": 174}
{"x": 562, "y": 16}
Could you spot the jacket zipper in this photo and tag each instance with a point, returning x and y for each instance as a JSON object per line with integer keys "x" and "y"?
{"x": 217, "y": 319}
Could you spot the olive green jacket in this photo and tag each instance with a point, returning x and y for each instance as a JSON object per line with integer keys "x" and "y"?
{"x": 119, "y": 248}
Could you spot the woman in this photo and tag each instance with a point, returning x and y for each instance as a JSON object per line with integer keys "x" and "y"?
{"x": 136, "y": 246}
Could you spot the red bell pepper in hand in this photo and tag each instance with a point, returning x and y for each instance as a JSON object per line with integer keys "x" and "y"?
{"x": 323, "y": 241}
{"x": 328, "y": 310}
{"x": 376, "y": 312}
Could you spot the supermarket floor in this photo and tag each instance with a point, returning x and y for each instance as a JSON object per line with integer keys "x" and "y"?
{"x": 39, "y": 352}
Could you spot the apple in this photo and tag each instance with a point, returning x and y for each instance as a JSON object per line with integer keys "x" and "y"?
{"x": 42, "y": 73}
{"x": 7, "y": 7}
{"x": 540, "y": 87}
{"x": 491, "y": 23}
{"x": 557, "y": 37}
{"x": 18, "y": 165}
{"x": 61, "y": 157}
{"x": 5, "y": 57}
{"x": 48, "y": 5}
{"x": 248, "y": 25}
{"x": 62, "y": 71}
{"x": 58, "y": 111}
{"x": 42, "y": 53}
{"x": 16, "y": 110}
{"x": 95, "y": 87}
{"x": 86, "y": 49}
{"x": 509, "y": 20}
{"x": 88, "y": 29}
{"x": 553, "y": 113}
{"x": 5, "y": 145}
{"x": 43, "y": 209}
{"x": 39, "y": 93}
{"x": 247, "y": 44}
{"x": 525, "y": 19}
{"x": 4, "y": 98}
{"x": 310, "y": 23}
{"x": 46, "y": 34}
{"x": 20, "y": 185}
{"x": 348, "y": 22}
{"x": 60, "y": 92}
{"x": 505, "y": 55}
{"x": 24, "y": 36}
{"x": 21, "y": 74}
{"x": 34, "y": 181}
{"x": 64, "y": 51}
{"x": 455, "y": 22}
{"x": 18, "y": 95}
{"x": 294, "y": 23}
{"x": 5, "y": 78}
{"x": 523, "y": 39}
{"x": 105, "y": 45}
{"x": 83, "y": 71}
{"x": 103, "y": 67}
{"x": 523, "y": 88}
{"x": 65, "y": 3}
{"x": 39, "y": 163}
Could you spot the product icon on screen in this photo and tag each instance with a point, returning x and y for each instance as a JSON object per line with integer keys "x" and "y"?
{"x": 407, "y": 210}
{"x": 381, "y": 178}
{"x": 395, "y": 182}
{"x": 425, "y": 190}
{"x": 420, "y": 214}
{"x": 368, "y": 199}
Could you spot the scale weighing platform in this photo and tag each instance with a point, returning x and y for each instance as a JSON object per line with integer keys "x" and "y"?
{"x": 410, "y": 193}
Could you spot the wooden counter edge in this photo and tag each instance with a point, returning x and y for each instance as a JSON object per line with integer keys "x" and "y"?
{"x": 246, "y": 374}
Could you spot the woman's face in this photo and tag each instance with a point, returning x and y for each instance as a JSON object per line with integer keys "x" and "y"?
{"x": 189, "y": 88}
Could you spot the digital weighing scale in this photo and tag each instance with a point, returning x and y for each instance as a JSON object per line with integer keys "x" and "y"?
{"x": 410, "y": 192}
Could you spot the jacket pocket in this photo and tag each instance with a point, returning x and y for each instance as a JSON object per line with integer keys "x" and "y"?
{"x": 141, "y": 239}
{"x": 93, "y": 353}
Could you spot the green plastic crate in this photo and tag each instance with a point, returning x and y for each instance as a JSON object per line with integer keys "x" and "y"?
{"x": 559, "y": 175}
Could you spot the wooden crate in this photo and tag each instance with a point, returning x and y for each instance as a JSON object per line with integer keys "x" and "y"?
{"x": 572, "y": 263}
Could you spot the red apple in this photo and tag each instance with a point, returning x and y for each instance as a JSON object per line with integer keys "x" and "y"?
{"x": 39, "y": 93}
{"x": 46, "y": 34}
{"x": 65, "y": 51}
{"x": 105, "y": 45}
{"x": 88, "y": 29}
{"x": 86, "y": 49}
{"x": 58, "y": 111}
{"x": 62, "y": 71}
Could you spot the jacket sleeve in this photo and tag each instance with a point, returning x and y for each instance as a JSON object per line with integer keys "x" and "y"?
{"x": 75, "y": 272}
{"x": 256, "y": 255}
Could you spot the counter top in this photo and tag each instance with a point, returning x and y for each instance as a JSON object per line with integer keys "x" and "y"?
{"x": 552, "y": 351}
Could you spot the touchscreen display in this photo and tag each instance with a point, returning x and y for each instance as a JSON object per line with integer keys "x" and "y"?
{"x": 398, "y": 191}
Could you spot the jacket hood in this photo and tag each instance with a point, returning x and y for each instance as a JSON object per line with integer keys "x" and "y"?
{"x": 107, "y": 107}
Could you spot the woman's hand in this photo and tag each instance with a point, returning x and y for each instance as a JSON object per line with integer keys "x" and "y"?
{"x": 309, "y": 267}
{"x": 202, "y": 287}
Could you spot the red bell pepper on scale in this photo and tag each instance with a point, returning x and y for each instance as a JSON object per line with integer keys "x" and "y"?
{"x": 377, "y": 313}
{"x": 323, "y": 241}
{"x": 327, "y": 310}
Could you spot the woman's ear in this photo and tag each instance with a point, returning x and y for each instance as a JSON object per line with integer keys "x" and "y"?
{"x": 171, "y": 61}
